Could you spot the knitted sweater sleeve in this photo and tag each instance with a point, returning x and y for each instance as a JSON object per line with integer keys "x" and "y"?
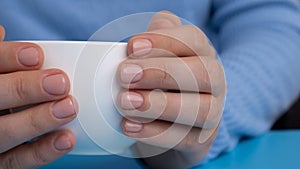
{"x": 259, "y": 45}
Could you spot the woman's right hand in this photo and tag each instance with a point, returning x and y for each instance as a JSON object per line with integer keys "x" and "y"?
{"x": 45, "y": 94}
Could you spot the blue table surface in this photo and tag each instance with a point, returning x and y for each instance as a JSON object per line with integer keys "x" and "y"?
{"x": 274, "y": 150}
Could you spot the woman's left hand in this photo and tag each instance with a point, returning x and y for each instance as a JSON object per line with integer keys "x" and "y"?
{"x": 176, "y": 124}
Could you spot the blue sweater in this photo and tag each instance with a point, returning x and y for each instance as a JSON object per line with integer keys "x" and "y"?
{"x": 257, "y": 40}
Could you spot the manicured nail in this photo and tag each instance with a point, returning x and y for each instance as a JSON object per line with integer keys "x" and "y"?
{"x": 131, "y": 100}
{"x": 133, "y": 127}
{"x": 131, "y": 73}
{"x": 141, "y": 47}
{"x": 28, "y": 56}
{"x": 62, "y": 143}
{"x": 55, "y": 84}
{"x": 65, "y": 108}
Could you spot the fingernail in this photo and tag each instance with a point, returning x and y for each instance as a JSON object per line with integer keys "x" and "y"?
{"x": 65, "y": 108}
{"x": 131, "y": 73}
{"x": 133, "y": 127}
{"x": 55, "y": 84}
{"x": 141, "y": 47}
{"x": 131, "y": 100}
{"x": 163, "y": 23}
{"x": 63, "y": 143}
{"x": 28, "y": 56}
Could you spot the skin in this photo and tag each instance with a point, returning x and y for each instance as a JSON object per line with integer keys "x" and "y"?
{"x": 22, "y": 85}
{"x": 172, "y": 46}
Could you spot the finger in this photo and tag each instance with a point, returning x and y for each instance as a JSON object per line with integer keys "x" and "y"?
{"x": 163, "y": 20}
{"x": 197, "y": 74}
{"x": 39, "y": 153}
{"x": 22, "y": 88}
{"x": 19, "y": 56}
{"x": 181, "y": 41}
{"x": 191, "y": 109}
{"x": 167, "y": 135}
{"x": 2, "y": 33}
{"x": 20, "y": 127}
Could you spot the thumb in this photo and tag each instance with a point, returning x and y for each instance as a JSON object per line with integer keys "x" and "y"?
{"x": 163, "y": 20}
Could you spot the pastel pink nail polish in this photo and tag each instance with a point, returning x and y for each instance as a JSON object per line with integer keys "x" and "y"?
{"x": 141, "y": 47}
{"x": 55, "y": 84}
{"x": 131, "y": 73}
{"x": 64, "y": 108}
{"x": 28, "y": 56}
{"x": 131, "y": 100}
{"x": 62, "y": 143}
{"x": 133, "y": 127}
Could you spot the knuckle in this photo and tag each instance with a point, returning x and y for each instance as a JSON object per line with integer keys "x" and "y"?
{"x": 39, "y": 157}
{"x": 194, "y": 29}
{"x": 204, "y": 75}
{"x": 191, "y": 140}
{"x": 17, "y": 88}
{"x": 206, "y": 80}
{"x": 9, "y": 161}
{"x": 204, "y": 111}
{"x": 35, "y": 124}
{"x": 197, "y": 35}
{"x": 218, "y": 78}
{"x": 164, "y": 77}
{"x": 189, "y": 144}
{"x": 213, "y": 75}
{"x": 214, "y": 113}
{"x": 218, "y": 69}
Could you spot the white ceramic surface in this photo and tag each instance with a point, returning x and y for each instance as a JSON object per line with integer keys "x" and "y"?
{"x": 91, "y": 67}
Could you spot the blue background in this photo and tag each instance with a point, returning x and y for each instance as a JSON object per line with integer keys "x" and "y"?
{"x": 274, "y": 150}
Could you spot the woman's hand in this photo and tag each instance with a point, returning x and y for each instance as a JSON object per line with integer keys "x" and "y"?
{"x": 44, "y": 93}
{"x": 182, "y": 117}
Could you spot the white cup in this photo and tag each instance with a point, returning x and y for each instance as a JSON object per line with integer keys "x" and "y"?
{"x": 91, "y": 67}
